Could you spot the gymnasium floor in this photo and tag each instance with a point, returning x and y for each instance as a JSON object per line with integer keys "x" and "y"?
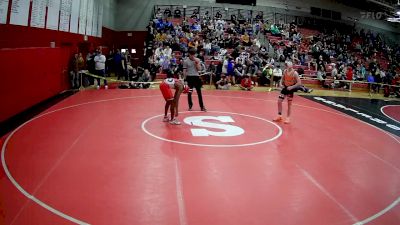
{"x": 105, "y": 157}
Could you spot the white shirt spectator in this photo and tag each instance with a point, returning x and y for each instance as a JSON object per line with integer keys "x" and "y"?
{"x": 245, "y": 54}
{"x": 160, "y": 60}
{"x": 207, "y": 46}
{"x": 100, "y": 61}
{"x": 297, "y": 37}
{"x": 223, "y": 51}
{"x": 225, "y": 67}
{"x": 277, "y": 72}
{"x": 158, "y": 51}
{"x": 219, "y": 32}
{"x": 382, "y": 74}
{"x": 220, "y": 23}
{"x": 177, "y": 28}
{"x": 159, "y": 15}
{"x": 271, "y": 61}
{"x": 334, "y": 72}
{"x": 286, "y": 34}
{"x": 241, "y": 59}
{"x": 257, "y": 43}
{"x": 279, "y": 52}
{"x": 167, "y": 52}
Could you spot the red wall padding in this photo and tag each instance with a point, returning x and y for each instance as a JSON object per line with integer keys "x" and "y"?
{"x": 32, "y": 72}
{"x": 30, "y": 76}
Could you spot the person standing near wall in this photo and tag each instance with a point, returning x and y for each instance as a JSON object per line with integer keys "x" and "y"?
{"x": 80, "y": 66}
{"x": 77, "y": 64}
{"x": 191, "y": 68}
{"x": 100, "y": 66}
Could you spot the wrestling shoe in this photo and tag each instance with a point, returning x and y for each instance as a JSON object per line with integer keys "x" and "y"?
{"x": 175, "y": 122}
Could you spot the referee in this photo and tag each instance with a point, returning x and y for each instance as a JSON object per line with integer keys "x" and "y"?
{"x": 191, "y": 68}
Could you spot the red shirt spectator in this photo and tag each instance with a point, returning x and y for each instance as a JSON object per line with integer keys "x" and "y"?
{"x": 246, "y": 83}
{"x": 349, "y": 73}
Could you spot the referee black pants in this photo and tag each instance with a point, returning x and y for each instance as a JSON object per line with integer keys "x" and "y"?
{"x": 194, "y": 82}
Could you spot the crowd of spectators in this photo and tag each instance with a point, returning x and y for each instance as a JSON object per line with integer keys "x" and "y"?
{"x": 356, "y": 56}
{"x": 115, "y": 63}
{"x": 257, "y": 49}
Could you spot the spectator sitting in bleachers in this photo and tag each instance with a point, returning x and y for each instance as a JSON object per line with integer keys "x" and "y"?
{"x": 266, "y": 74}
{"x": 218, "y": 15}
{"x": 246, "y": 39}
{"x": 196, "y": 27}
{"x": 167, "y": 51}
{"x": 239, "y": 71}
{"x": 167, "y": 13}
{"x": 206, "y": 17}
{"x": 159, "y": 25}
{"x": 172, "y": 71}
{"x": 223, "y": 83}
{"x": 195, "y": 14}
{"x": 177, "y": 13}
{"x": 217, "y": 36}
{"x": 259, "y": 16}
{"x": 275, "y": 30}
{"x": 168, "y": 25}
{"x": 360, "y": 73}
{"x": 252, "y": 71}
{"x": 159, "y": 14}
{"x": 145, "y": 77}
{"x": 133, "y": 74}
{"x": 246, "y": 83}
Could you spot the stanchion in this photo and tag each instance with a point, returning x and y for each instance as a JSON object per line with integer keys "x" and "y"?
{"x": 370, "y": 90}
{"x": 211, "y": 80}
{"x": 351, "y": 82}
{"x": 116, "y": 80}
{"x": 81, "y": 72}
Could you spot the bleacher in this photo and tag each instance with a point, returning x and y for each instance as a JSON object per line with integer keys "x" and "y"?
{"x": 310, "y": 72}
{"x": 305, "y": 32}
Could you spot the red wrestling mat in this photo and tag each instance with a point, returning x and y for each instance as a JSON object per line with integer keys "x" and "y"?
{"x": 105, "y": 157}
{"x": 392, "y": 111}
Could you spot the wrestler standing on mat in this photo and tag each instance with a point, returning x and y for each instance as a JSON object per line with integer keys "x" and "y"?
{"x": 289, "y": 83}
{"x": 171, "y": 100}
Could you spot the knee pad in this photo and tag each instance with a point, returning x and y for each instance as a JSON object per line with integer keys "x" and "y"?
{"x": 281, "y": 97}
{"x": 290, "y": 99}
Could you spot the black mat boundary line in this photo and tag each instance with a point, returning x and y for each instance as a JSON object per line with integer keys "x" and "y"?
{"x": 366, "y": 110}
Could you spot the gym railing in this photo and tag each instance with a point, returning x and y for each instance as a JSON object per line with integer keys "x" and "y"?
{"x": 348, "y": 83}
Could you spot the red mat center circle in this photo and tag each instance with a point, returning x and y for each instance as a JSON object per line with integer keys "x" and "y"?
{"x": 214, "y": 129}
